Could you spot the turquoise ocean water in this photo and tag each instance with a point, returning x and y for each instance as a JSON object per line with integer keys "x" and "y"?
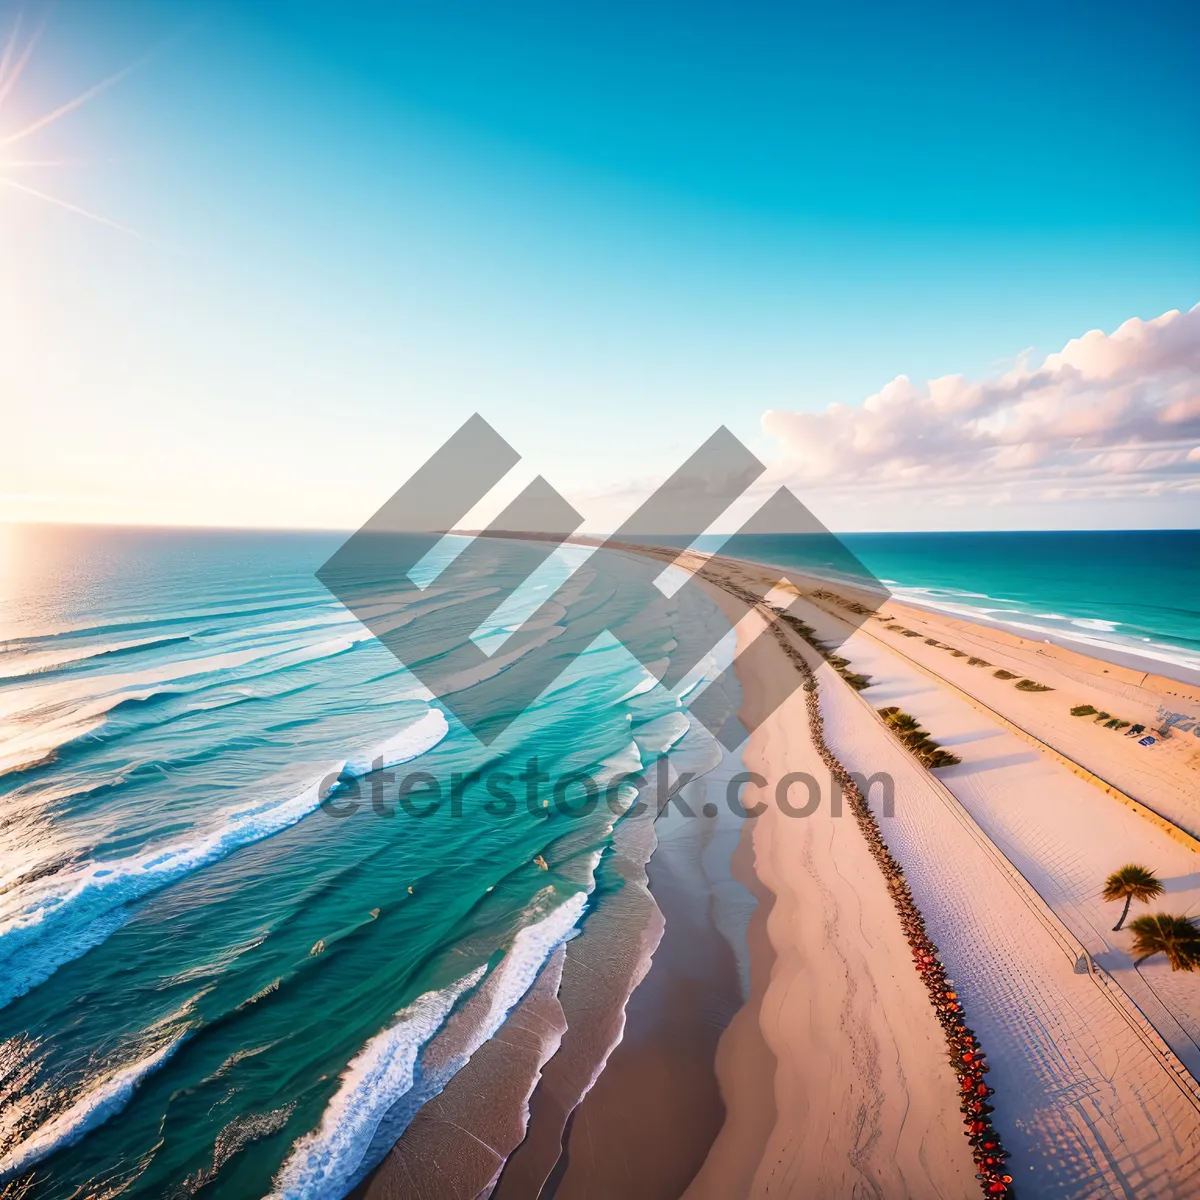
{"x": 214, "y": 976}
{"x": 210, "y": 981}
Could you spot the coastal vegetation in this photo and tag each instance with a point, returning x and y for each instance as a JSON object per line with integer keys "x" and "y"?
{"x": 966, "y": 1055}
{"x": 1023, "y": 685}
{"x": 916, "y": 740}
{"x": 842, "y": 667}
{"x": 1164, "y": 933}
{"x": 1131, "y": 882}
{"x": 852, "y": 605}
{"x": 836, "y": 661}
{"x": 1107, "y": 719}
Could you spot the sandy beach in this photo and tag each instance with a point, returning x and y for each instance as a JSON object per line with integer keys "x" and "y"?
{"x": 783, "y": 1041}
{"x": 1006, "y": 854}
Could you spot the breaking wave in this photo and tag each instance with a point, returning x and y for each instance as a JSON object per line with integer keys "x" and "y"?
{"x": 60, "y": 916}
{"x": 94, "y": 1107}
{"x": 390, "y": 1078}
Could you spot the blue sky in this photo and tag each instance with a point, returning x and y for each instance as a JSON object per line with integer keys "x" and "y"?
{"x": 608, "y": 228}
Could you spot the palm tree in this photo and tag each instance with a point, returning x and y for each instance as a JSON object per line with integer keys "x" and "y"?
{"x": 1131, "y": 882}
{"x": 1176, "y": 937}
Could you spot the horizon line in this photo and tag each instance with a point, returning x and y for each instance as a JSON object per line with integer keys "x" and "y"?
{"x": 330, "y": 529}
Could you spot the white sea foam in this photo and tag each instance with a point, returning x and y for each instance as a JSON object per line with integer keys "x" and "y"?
{"x": 101, "y": 1101}
{"x": 328, "y": 1161}
{"x": 68, "y": 912}
{"x": 658, "y": 736}
{"x": 1095, "y": 623}
{"x": 384, "y": 1086}
{"x": 709, "y": 667}
{"x": 497, "y": 663}
{"x": 1083, "y": 630}
{"x": 642, "y": 686}
{"x": 413, "y": 740}
{"x": 627, "y": 761}
{"x": 42, "y": 719}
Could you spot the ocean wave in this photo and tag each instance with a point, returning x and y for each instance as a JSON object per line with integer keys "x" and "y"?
{"x": 645, "y": 684}
{"x": 413, "y": 740}
{"x": 381, "y": 625}
{"x": 383, "y": 1087}
{"x": 496, "y": 664}
{"x": 63, "y": 915}
{"x": 626, "y": 761}
{"x": 101, "y": 1101}
{"x": 99, "y": 693}
{"x": 149, "y": 621}
{"x": 53, "y": 717}
{"x": 50, "y": 662}
{"x": 658, "y": 736}
{"x": 77, "y": 905}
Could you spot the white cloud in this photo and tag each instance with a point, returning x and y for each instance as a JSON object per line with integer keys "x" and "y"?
{"x": 1109, "y": 416}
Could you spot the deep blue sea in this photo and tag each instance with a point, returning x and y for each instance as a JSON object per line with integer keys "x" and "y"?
{"x": 220, "y": 958}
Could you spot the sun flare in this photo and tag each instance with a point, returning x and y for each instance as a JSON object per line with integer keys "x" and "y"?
{"x": 18, "y": 51}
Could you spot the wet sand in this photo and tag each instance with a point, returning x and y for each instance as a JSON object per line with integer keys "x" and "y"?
{"x": 649, "y": 1121}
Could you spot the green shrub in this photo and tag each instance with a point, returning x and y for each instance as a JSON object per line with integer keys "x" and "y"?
{"x": 978, "y": 662}
{"x": 1028, "y": 685}
{"x": 908, "y": 729}
{"x": 910, "y": 633}
{"x": 957, "y": 653}
{"x": 1003, "y": 674}
{"x": 1082, "y": 710}
{"x": 942, "y": 758}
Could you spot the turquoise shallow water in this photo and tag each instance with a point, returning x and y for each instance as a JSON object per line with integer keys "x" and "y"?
{"x": 1107, "y": 592}
{"x": 222, "y": 941}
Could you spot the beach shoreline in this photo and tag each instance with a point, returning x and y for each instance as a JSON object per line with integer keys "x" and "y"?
{"x": 780, "y": 1091}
